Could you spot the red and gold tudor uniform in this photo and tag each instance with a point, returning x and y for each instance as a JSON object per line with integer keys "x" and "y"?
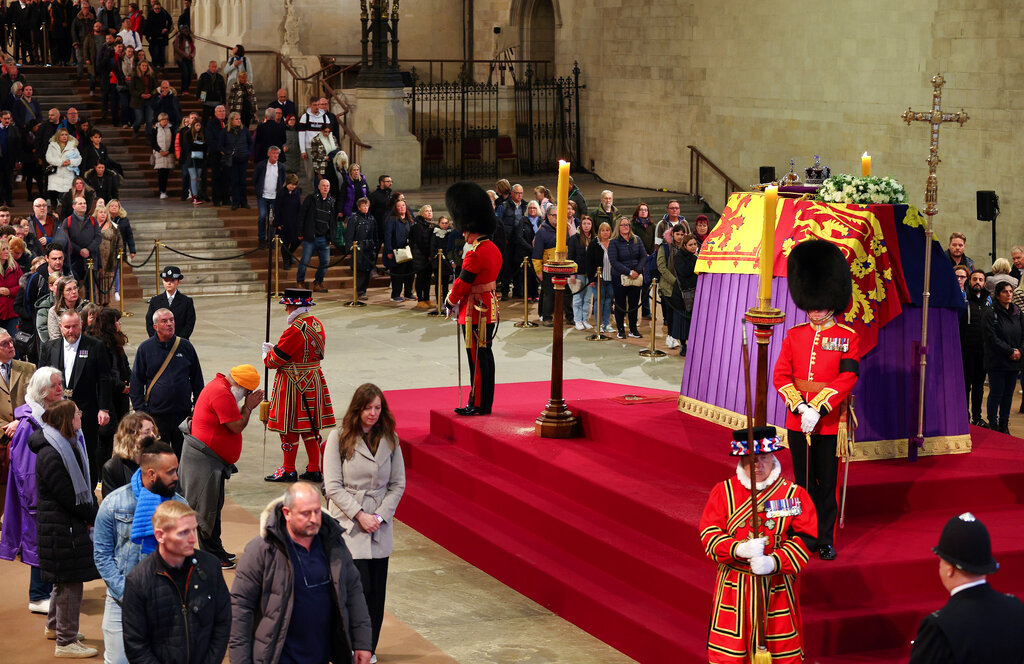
{"x": 818, "y": 366}
{"x": 301, "y": 402}
{"x": 474, "y": 294}
{"x": 788, "y": 520}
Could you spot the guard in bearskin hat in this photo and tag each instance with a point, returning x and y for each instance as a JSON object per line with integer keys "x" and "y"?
{"x": 817, "y": 368}
{"x": 472, "y": 296}
{"x": 767, "y": 561}
{"x": 977, "y": 624}
{"x": 300, "y": 403}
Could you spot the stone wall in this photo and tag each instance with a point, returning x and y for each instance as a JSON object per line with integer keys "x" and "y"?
{"x": 751, "y": 85}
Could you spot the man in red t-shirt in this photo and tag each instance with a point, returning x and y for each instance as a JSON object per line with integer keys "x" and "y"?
{"x": 214, "y": 445}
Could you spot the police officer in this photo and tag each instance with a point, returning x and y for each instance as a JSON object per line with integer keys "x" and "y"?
{"x": 977, "y": 624}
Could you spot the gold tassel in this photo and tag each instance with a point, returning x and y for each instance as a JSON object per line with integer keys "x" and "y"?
{"x": 264, "y": 411}
{"x": 842, "y": 440}
{"x": 762, "y": 656}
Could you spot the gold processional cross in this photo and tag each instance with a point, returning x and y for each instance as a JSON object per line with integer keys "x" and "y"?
{"x": 935, "y": 117}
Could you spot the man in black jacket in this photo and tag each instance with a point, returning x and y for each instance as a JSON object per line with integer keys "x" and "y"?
{"x": 977, "y": 624}
{"x": 10, "y": 154}
{"x": 176, "y": 606}
{"x": 169, "y": 396}
{"x": 213, "y": 166}
{"x": 181, "y": 305}
{"x": 103, "y": 182}
{"x": 157, "y": 30}
{"x": 317, "y": 228}
{"x": 83, "y": 359}
{"x": 509, "y": 215}
{"x": 81, "y": 237}
{"x": 211, "y": 90}
{"x": 972, "y": 341}
{"x": 279, "y": 617}
{"x": 379, "y": 208}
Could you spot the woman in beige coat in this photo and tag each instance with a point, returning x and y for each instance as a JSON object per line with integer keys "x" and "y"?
{"x": 364, "y": 478}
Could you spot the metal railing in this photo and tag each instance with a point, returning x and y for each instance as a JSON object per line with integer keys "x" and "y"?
{"x": 699, "y": 160}
{"x": 500, "y": 71}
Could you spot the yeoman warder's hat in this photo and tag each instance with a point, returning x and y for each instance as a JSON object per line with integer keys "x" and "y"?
{"x": 819, "y": 276}
{"x": 965, "y": 544}
{"x": 471, "y": 208}
{"x": 300, "y": 297}
{"x": 171, "y": 272}
{"x": 766, "y": 441}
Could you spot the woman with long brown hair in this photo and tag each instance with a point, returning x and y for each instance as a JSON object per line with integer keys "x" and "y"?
{"x": 364, "y": 478}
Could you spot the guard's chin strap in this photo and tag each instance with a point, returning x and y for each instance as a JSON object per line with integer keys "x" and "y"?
{"x": 741, "y": 474}
{"x": 824, "y": 321}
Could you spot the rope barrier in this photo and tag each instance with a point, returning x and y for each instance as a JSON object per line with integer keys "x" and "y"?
{"x": 144, "y": 262}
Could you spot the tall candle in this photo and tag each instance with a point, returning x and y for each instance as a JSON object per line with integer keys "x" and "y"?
{"x": 865, "y": 165}
{"x": 562, "y": 231}
{"x": 771, "y": 197}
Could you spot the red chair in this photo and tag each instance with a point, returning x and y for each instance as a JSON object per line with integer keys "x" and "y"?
{"x": 507, "y": 152}
{"x": 434, "y": 149}
{"x": 472, "y": 149}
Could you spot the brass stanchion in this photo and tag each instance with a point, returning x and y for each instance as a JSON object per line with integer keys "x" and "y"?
{"x": 652, "y": 351}
{"x": 120, "y": 284}
{"x": 277, "y": 264}
{"x": 526, "y": 322}
{"x": 597, "y": 336}
{"x": 440, "y": 266}
{"x": 91, "y": 281}
{"x": 159, "y": 284}
{"x": 355, "y": 292}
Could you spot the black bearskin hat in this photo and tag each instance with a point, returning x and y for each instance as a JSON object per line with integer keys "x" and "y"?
{"x": 819, "y": 276}
{"x": 471, "y": 208}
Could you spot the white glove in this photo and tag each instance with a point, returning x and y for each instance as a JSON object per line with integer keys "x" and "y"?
{"x": 751, "y": 548}
{"x": 267, "y": 347}
{"x": 809, "y": 420}
{"x": 762, "y": 565}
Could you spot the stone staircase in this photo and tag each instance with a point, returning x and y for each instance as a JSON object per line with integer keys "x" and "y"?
{"x": 222, "y": 244}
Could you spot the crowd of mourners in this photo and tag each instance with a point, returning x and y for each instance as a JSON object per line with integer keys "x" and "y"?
{"x": 991, "y": 332}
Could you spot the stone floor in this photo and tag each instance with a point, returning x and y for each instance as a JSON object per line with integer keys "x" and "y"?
{"x": 464, "y": 612}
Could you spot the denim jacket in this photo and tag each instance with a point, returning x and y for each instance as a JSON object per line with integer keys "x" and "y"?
{"x": 113, "y": 550}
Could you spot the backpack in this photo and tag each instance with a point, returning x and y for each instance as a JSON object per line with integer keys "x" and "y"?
{"x": 650, "y": 270}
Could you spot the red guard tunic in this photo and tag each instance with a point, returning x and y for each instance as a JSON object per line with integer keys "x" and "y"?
{"x": 474, "y": 287}
{"x": 300, "y": 402}
{"x": 786, "y": 510}
{"x": 819, "y": 367}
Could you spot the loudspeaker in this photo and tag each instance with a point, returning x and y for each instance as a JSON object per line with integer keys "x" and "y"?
{"x": 767, "y": 174}
{"x": 988, "y": 206}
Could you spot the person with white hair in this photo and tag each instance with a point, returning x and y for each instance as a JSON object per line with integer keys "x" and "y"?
{"x": 18, "y": 539}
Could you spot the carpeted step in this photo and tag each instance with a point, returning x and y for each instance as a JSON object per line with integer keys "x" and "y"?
{"x": 642, "y": 558}
{"x": 651, "y": 500}
{"x": 626, "y": 617}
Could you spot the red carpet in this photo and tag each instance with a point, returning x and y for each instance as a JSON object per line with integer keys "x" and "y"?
{"x": 602, "y": 530}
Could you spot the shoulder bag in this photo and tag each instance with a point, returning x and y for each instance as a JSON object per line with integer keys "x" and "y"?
{"x": 163, "y": 367}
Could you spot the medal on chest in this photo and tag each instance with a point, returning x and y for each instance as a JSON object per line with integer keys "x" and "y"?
{"x": 840, "y": 344}
{"x": 781, "y": 508}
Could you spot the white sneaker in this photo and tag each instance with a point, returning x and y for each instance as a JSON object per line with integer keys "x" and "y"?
{"x": 373, "y": 659}
{"x": 75, "y": 651}
{"x": 163, "y": 195}
{"x": 40, "y": 606}
{"x": 579, "y": 326}
{"x": 670, "y": 342}
{"x": 607, "y": 328}
{"x": 587, "y": 326}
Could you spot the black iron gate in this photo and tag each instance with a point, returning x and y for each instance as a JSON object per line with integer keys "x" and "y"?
{"x": 456, "y": 123}
{"x": 547, "y": 121}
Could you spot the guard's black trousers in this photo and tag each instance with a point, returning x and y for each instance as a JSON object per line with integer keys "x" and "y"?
{"x": 821, "y": 485}
{"x": 481, "y": 369}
